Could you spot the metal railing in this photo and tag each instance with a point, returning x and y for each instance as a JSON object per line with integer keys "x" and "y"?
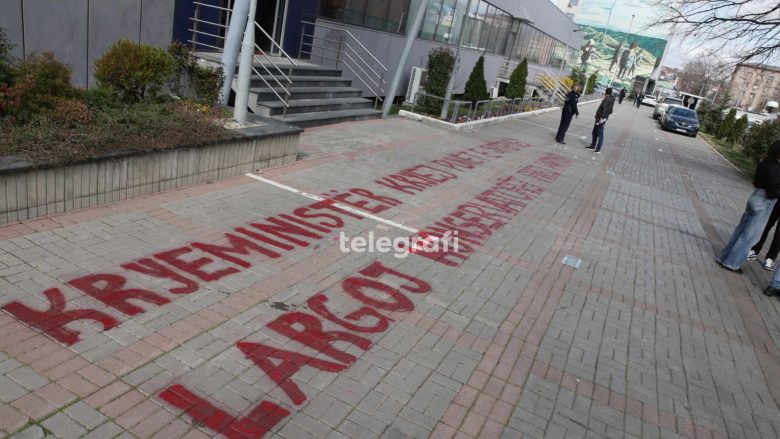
{"x": 464, "y": 111}
{"x": 214, "y": 32}
{"x": 338, "y": 45}
{"x": 539, "y": 77}
{"x": 454, "y": 108}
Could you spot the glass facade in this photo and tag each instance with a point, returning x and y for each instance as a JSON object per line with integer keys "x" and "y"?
{"x": 386, "y": 15}
{"x": 484, "y": 27}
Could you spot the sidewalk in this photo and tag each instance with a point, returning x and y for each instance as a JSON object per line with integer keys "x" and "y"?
{"x": 231, "y": 308}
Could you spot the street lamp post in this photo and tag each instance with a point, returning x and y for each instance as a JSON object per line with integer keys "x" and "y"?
{"x": 609, "y": 17}
{"x": 451, "y": 81}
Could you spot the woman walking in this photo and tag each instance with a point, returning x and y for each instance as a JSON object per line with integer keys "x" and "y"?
{"x": 759, "y": 206}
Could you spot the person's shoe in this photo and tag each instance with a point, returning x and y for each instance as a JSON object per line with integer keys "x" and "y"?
{"x": 769, "y": 264}
{"x": 733, "y": 270}
{"x": 591, "y": 147}
{"x": 560, "y": 141}
{"x": 771, "y": 292}
{"x": 598, "y": 151}
{"x": 751, "y": 255}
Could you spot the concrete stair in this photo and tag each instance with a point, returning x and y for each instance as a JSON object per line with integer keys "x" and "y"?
{"x": 319, "y": 95}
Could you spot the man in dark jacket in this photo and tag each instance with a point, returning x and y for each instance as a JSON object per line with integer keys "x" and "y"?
{"x": 621, "y": 96}
{"x": 569, "y": 111}
{"x": 639, "y": 97}
{"x": 602, "y": 114}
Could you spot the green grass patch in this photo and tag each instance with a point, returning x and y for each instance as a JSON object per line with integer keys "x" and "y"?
{"x": 51, "y": 137}
{"x": 732, "y": 152}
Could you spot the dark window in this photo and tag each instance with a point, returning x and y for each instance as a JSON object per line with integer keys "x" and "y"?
{"x": 386, "y": 15}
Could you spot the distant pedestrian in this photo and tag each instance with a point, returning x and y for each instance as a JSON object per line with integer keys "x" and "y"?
{"x": 622, "y": 95}
{"x": 774, "y": 248}
{"x": 639, "y": 97}
{"x": 569, "y": 110}
{"x": 602, "y": 114}
{"x": 757, "y": 211}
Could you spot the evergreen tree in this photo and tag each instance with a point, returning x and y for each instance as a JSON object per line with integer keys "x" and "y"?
{"x": 476, "y": 86}
{"x": 759, "y": 138}
{"x": 727, "y": 126}
{"x": 516, "y": 87}
{"x": 440, "y": 64}
{"x": 738, "y": 133}
{"x": 577, "y": 75}
{"x": 591, "y": 84}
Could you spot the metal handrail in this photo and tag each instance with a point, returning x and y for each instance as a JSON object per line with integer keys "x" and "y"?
{"x": 371, "y": 76}
{"x": 262, "y": 66}
{"x": 257, "y": 25}
{"x": 374, "y": 83}
{"x": 325, "y": 25}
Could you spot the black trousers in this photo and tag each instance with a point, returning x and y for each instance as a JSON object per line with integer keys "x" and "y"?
{"x": 564, "y": 125}
{"x": 774, "y": 248}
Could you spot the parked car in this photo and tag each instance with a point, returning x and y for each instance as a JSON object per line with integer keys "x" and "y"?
{"x": 649, "y": 100}
{"x": 680, "y": 119}
{"x": 663, "y": 104}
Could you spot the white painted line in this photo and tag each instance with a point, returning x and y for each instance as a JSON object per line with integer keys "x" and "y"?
{"x": 339, "y": 205}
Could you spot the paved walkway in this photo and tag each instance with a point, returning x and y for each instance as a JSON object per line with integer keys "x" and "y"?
{"x": 231, "y": 308}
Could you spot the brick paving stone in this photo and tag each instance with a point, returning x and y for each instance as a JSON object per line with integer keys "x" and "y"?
{"x": 648, "y": 338}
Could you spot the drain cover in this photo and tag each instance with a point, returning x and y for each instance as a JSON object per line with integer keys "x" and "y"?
{"x": 571, "y": 261}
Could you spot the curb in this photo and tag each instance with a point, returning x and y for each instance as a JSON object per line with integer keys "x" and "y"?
{"x": 715, "y": 150}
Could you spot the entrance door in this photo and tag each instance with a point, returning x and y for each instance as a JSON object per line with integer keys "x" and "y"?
{"x": 271, "y": 17}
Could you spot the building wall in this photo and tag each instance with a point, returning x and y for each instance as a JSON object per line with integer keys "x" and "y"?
{"x": 546, "y": 17}
{"x": 79, "y": 31}
{"x": 765, "y": 80}
{"x": 387, "y": 47}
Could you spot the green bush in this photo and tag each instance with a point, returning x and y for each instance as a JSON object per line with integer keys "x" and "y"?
{"x": 476, "y": 86}
{"x": 711, "y": 117}
{"x": 578, "y": 76}
{"x": 191, "y": 80}
{"x": 759, "y": 138}
{"x": 135, "y": 71}
{"x": 516, "y": 87}
{"x": 441, "y": 61}
{"x": 591, "y": 85}
{"x": 6, "y": 63}
{"x": 738, "y": 133}
{"x": 36, "y": 86}
{"x": 51, "y": 80}
{"x": 726, "y": 128}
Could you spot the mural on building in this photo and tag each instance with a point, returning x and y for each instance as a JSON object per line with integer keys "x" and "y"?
{"x": 619, "y": 42}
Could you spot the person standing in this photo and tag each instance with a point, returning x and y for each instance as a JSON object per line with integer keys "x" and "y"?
{"x": 639, "y": 97}
{"x": 602, "y": 114}
{"x": 774, "y": 248}
{"x": 759, "y": 207}
{"x": 622, "y": 95}
{"x": 569, "y": 110}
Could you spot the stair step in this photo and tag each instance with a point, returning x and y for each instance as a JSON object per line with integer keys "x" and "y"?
{"x": 303, "y": 81}
{"x": 307, "y": 120}
{"x": 316, "y": 105}
{"x": 324, "y": 92}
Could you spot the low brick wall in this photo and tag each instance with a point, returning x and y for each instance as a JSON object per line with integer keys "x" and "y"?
{"x": 27, "y": 192}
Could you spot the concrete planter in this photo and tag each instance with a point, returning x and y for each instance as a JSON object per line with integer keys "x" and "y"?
{"x": 29, "y": 192}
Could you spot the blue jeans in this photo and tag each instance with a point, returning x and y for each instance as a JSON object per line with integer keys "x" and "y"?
{"x": 748, "y": 230}
{"x": 598, "y": 134}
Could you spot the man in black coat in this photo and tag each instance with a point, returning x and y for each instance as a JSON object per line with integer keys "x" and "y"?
{"x": 602, "y": 114}
{"x": 569, "y": 111}
{"x": 621, "y": 96}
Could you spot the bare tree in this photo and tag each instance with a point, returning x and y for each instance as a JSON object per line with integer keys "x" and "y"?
{"x": 749, "y": 28}
{"x": 702, "y": 74}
